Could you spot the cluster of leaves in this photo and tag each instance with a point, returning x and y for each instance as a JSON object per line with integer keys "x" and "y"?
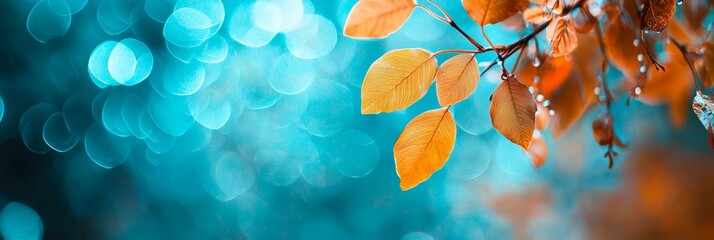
{"x": 546, "y": 84}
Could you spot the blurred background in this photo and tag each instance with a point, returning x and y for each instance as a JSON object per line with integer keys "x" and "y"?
{"x": 240, "y": 119}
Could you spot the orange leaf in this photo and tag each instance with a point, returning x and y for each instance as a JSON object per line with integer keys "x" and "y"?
{"x": 377, "y": 18}
{"x": 513, "y": 112}
{"x": 486, "y": 12}
{"x": 694, "y": 13}
{"x": 658, "y": 14}
{"x": 536, "y": 15}
{"x": 619, "y": 37}
{"x": 673, "y": 87}
{"x": 552, "y": 74}
{"x": 424, "y": 146}
{"x": 456, "y": 79}
{"x": 397, "y": 80}
{"x": 563, "y": 39}
{"x": 575, "y": 95}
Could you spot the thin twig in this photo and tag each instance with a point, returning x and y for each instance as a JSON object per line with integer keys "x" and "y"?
{"x": 441, "y": 9}
{"x": 434, "y": 14}
{"x": 683, "y": 50}
{"x": 448, "y": 20}
{"x": 514, "y": 47}
{"x": 460, "y": 51}
{"x": 466, "y": 35}
{"x": 518, "y": 59}
{"x": 605, "y": 62}
{"x": 483, "y": 32}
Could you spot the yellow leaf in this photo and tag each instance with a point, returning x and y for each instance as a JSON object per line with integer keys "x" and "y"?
{"x": 513, "y": 112}
{"x": 397, "y": 80}
{"x": 486, "y": 12}
{"x": 536, "y": 15}
{"x": 377, "y": 18}
{"x": 456, "y": 79}
{"x": 424, "y": 146}
{"x": 563, "y": 39}
{"x": 658, "y": 14}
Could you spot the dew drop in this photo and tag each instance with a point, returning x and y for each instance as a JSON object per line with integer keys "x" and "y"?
{"x": 638, "y": 91}
{"x": 531, "y": 89}
{"x": 551, "y": 112}
{"x": 679, "y": 2}
{"x": 597, "y": 91}
{"x": 546, "y": 103}
{"x": 643, "y": 69}
{"x": 536, "y": 62}
{"x": 540, "y": 98}
{"x": 636, "y": 43}
{"x": 640, "y": 57}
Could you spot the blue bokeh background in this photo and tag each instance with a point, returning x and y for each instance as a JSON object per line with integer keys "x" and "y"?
{"x": 191, "y": 119}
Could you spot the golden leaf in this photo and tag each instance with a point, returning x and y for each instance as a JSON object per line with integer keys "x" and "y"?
{"x": 658, "y": 14}
{"x": 377, "y": 18}
{"x": 561, "y": 34}
{"x": 486, "y": 12}
{"x": 513, "y": 112}
{"x": 456, "y": 79}
{"x": 397, "y": 80}
{"x": 424, "y": 146}
{"x": 536, "y": 15}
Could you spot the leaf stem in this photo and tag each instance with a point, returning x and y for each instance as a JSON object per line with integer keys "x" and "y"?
{"x": 448, "y": 20}
{"x": 460, "y": 51}
{"x": 434, "y": 14}
{"x": 514, "y": 47}
{"x": 518, "y": 59}
{"x": 441, "y": 10}
{"x": 485, "y": 36}
{"x": 466, "y": 35}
